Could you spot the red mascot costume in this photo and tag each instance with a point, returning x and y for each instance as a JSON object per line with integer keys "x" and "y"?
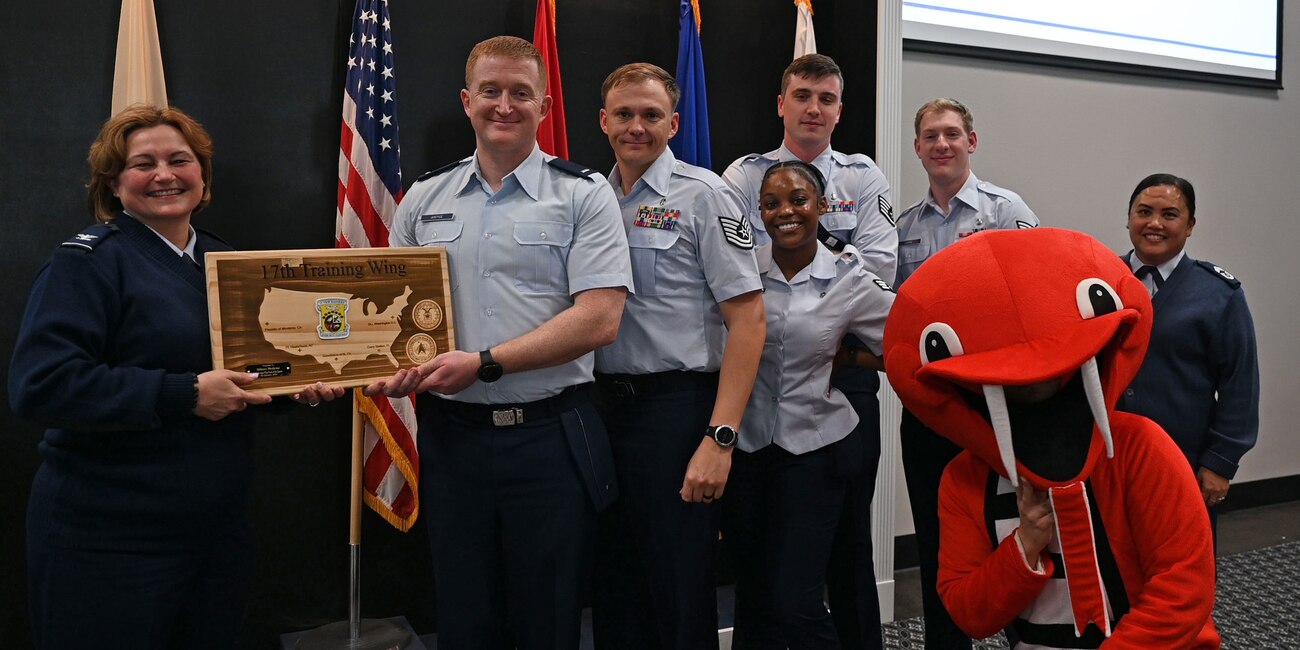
{"x": 1130, "y": 561}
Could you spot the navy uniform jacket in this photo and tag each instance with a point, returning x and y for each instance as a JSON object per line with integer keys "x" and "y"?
{"x": 1202, "y": 345}
{"x": 115, "y": 332}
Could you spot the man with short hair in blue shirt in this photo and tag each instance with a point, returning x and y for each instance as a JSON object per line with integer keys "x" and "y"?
{"x": 673, "y": 386}
{"x": 516, "y": 462}
{"x": 956, "y": 206}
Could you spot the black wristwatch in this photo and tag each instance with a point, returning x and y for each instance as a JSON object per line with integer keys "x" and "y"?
{"x": 488, "y": 370}
{"x": 724, "y": 435}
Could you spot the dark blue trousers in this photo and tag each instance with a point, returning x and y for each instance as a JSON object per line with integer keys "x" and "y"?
{"x": 511, "y": 526}
{"x": 925, "y": 455}
{"x": 655, "y": 580}
{"x": 851, "y": 577}
{"x": 779, "y": 518}
{"x": 184, "y": 597}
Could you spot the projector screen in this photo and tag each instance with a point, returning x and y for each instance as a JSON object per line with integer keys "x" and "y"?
{"x": 1235, "y": 42}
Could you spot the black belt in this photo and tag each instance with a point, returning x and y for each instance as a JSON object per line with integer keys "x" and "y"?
{"x": 508, "y": 415}
{"x": 656, "y": 383}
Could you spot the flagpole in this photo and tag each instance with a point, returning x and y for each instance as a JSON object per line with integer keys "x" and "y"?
{"x": 355, "y": 633}
{"x": 354, "y": 525}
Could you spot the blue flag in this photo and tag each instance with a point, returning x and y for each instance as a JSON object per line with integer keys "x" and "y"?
{"x": 691, "y": 144}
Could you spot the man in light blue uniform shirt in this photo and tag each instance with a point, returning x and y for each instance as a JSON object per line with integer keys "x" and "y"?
{"x": 860, "y": 214}
{"x": 673, "y": 386}
{"x": 957, "y": 205}
{"x": 516, "y": 461}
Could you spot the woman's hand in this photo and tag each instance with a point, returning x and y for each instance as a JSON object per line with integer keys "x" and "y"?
{"x": 221, "y": 393}
{"x": 318, "y": 392}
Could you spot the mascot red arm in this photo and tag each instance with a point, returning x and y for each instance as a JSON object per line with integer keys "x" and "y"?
{"x": 1130, "y": 563}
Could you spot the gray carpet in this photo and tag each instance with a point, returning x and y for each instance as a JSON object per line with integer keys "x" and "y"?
{"x": 1257, "y": 606}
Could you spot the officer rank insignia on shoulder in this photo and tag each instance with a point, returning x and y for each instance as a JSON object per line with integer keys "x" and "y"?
{"x": 91, "y": 237}
{"x": 1220, "y": 272}
{"x": 442, "y": 170}
{"x": 658, "y": 218}
{"x": 571, "y": 168}
{"x": 737, "y": 232}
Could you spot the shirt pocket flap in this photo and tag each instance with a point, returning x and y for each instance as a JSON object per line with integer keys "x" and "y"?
{"x": 438, "y": 232}
{"x": 839, "y": 221}
{"x": 915, "y": 251}
{"x": 545, "y": 233}
{"x": 652, "y": 238}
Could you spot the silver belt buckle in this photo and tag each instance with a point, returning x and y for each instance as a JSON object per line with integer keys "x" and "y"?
{"x": 507, "y": 417}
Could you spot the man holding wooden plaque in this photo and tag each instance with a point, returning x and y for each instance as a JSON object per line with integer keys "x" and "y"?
{"x": 516, "y": 463}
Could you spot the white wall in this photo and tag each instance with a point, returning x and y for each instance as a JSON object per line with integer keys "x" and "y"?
{"x": 1074, "y": 144}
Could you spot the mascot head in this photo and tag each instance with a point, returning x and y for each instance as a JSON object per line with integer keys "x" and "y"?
{"x": 1015, "y": 344}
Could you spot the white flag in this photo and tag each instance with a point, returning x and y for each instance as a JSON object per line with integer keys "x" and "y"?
{"x": 805, "y": 40}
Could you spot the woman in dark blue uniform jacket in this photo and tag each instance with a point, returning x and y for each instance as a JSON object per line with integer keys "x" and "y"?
{"x": 1200, "y": 378}
{"x": 137, "y": 527}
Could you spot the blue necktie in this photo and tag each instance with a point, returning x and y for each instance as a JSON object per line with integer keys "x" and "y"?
{"x": 1156, "y": 278}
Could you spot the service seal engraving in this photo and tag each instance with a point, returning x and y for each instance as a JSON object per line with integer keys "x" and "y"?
{"x": 427, "y": 315}
{"x": 421, "y": 348}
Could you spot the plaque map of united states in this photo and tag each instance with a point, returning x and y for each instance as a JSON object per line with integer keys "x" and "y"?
{"x": 333, "y": 328}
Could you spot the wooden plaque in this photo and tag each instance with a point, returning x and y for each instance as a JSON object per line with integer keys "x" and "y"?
{"x": 345, "y": 317}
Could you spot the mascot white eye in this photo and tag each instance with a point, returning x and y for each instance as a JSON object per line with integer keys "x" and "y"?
{"x": 938, "y": 342}
{"x": 1095, "y": 297}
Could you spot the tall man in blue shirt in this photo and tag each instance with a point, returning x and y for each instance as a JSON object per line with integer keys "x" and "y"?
{"x": 957, "y": 205}
{"x": 516, "y": 461}
{"x": 670, "y": 389}
{"x": 810, "y": 104}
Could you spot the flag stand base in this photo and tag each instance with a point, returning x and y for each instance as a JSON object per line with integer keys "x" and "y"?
{"x": 376, "y": 634}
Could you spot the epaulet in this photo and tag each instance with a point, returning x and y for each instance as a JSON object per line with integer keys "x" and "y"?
{"x": 989, "y": 188}
{"x": 700, "y": 174}
{"x": 1220, "y": 273}
{"x": 751, "y": 157}
{"x": 442, "y": 170}
{"x": 571, "y": 168}
{"x": 849, "y": 159}
{"x": 91, "y": 237}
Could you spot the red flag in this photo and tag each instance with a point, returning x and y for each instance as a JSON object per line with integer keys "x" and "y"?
{"x": 370, "y": 187}
{"x": 551, "y": 134}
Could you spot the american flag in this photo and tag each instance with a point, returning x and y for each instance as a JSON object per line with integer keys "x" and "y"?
{"x": 370, "y": 187}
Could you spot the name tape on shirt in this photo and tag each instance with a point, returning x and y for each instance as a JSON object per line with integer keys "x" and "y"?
{"x": 737, "y": 232}
{"x": 442, "y": 216}
{"x": 658, "y": 218}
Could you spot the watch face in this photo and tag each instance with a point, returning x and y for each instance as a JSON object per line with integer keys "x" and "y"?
{"x": 724, "y": 435}
{"x": 490, "y": 372}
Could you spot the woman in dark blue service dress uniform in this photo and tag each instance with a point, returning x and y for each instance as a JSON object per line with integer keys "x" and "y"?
{"x": 137, "y": 527}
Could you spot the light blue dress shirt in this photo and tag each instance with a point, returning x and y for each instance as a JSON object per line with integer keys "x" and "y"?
{"x": 858, "y": 194}
{"x": 683, "y": 266}
{"x": 1163, "y": 269}
{"x": 924, "y": 229}
{"x": 793, "y": 404}
{"x": 517, "y": 257}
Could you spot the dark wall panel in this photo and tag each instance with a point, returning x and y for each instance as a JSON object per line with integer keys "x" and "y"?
{"x": 265, "y": 79}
